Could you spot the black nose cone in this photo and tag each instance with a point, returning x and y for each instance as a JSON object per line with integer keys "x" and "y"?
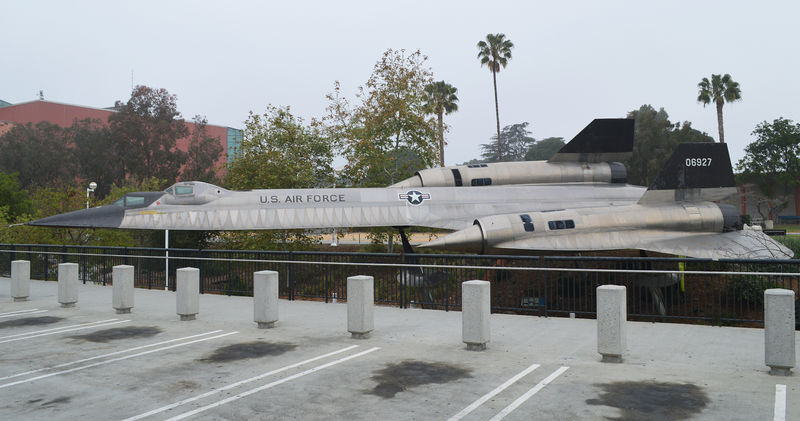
{"x": 109, "y": 216}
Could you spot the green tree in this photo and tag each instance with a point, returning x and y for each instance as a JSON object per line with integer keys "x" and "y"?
{"x": 387, "y": 136}
{"x": 440, "y": 98}
{"x": 97, "y": 155}
{"x": 772, "y": 162}
{"x": 517, "y": 142}
{"x": 39, "y": 153}
{"x": 279, "y": 150}
{"x": 147, "y": 128}
{"x": 655, "y": 138}
{"x": 13, "y": 200}
{"x": 495, "y": 52}
{"x": 203, "y": 154}
{"x": 544, "y": 149}
{"x": 719, "y": 90}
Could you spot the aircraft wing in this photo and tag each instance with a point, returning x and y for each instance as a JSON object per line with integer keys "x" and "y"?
{"x": 744, "y": 244}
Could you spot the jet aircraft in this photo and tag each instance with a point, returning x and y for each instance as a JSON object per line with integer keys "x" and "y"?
{"x": 580, "y": 175}
{"x": 574, "y": 202}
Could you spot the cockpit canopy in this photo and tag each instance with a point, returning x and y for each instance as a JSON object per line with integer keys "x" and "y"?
{"x": 192, "y": 193}
{"x": 138, "y": 199}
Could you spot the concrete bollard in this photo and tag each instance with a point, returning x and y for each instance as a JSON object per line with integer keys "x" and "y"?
{"x": 68, "y": 284}
{"x": 475, "y": 313}
{"x": 360, "y": 306}
{"x": 20, "y": 280}
{"x": 612, "y": 316}
{"x": 187, "y": 288}
{"x": 779, "y": 335}
{"x": 122, "y": 289}
{"x": 265, "y": 298}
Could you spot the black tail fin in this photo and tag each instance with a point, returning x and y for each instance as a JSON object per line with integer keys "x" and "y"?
{"x": 695, "y": 171}
{"x": 603, "y": 140}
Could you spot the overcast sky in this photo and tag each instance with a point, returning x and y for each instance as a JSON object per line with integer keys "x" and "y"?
{"x": 572, "y": 61}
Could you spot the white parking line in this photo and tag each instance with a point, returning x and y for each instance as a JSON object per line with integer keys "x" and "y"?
{"x": 106, "y": 355}
{"x": 270, "y": 385}
{"x": 539, "y": 386}
{"x": 55, "y": 331}
{"x": 494, "y": 392}
{"x": 21, "y": 312}
{"x": 44, "y": 376}
{"x": 780, "y": 402}
{"x": 237, "y": 384}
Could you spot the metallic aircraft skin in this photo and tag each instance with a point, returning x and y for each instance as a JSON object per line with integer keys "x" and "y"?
{"x": 675, "y": 215}
{"x": 209, "y": 207}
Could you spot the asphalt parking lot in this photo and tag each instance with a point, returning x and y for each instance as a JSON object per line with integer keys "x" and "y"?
{"x": 88, "y": 362}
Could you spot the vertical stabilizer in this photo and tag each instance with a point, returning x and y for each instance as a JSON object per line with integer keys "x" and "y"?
{"x": 603, "y": 140}
{"x": 694, "y": 172}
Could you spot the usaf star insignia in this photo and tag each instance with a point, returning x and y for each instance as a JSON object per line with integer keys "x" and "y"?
{"x": 414, "y": 197}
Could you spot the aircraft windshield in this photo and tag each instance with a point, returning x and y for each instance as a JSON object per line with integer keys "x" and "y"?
{"x": 137, "y": 200}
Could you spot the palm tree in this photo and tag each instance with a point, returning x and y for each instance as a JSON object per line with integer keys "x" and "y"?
{"x": 719, "y": 90}
{"x": 440, "y": 98}
{"x": 495, "y": 52}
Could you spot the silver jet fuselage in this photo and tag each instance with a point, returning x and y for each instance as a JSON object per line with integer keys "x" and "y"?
{"x": 209, "y": 207}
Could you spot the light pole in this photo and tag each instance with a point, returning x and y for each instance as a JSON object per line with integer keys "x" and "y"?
{"x": 91, "y": 188}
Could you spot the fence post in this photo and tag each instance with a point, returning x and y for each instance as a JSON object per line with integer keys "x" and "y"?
{"x": 290, "y": 276}
{"x": 122, "y": 288}
{"x": 360, "y": 306}
{"x": 68, "y": 284}
{"x": 611, "y": 322}
{"x": 187, "y": 288}
{"x": 265, "y": 298}
{"x": 20, "y": 280}
{"x": 779, "y": 324}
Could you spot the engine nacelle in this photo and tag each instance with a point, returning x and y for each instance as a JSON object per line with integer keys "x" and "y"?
{"x": 522, "y": 172}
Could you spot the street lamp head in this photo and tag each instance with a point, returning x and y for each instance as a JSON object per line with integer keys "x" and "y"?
{"x": 92, "y": 186}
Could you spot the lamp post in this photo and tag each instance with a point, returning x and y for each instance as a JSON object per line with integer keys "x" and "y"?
{"x": 91, "y": 188}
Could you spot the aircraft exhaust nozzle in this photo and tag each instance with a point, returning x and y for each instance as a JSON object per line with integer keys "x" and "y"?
{"x": 468, "y": 240}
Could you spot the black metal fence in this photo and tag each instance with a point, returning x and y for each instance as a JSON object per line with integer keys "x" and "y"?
{"x": 659, "y": 289}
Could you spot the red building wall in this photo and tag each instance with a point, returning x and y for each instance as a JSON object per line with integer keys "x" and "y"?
{"x": 65, "y": 114}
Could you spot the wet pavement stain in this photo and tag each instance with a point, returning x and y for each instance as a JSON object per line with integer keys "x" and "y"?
{"x": 652, "y": 401}
{"x": 396, "y": 378}
{"x": 118, "y": 333}
{"x": 248, "y": 350}
{"x": 30, "y": 321}
{"x": 56, "y": 401}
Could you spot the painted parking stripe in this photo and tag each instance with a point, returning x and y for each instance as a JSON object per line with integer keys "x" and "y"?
{"x": 44, "y": 376}
{"x": 237, "y": 384}
{"x": 270, "y": 385}
{"x": 539, "y": 386}
{"x": 38, "y": 370}
{"x": 493, "y": 393}
{"x": 56, "y": 328}
{"x": 780, "y": 402}
{"x": 21, "y": 312}
{"x": 72, "y": 328}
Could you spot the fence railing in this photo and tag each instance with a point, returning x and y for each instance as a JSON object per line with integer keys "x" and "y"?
{"x": 659, "y": 289}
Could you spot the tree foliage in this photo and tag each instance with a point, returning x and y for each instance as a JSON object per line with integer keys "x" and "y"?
{"x": 147, "y": 128}
{"x": 440, "y": 99}
{"x": 97, "y": 155}
{"x": 719, "y": 90}
{"x": 772, "y": 161}
{"x": 203, "y": 154}
{"x": 517, "y": 142}
{"x": 544, "y": 149}
{"x": 387, "y": 136}
{"x": 655, "y": 138}
{"x": 495, "y": 53}
{"x": 40, "y": 154}
{"x": 14, "y": 201}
